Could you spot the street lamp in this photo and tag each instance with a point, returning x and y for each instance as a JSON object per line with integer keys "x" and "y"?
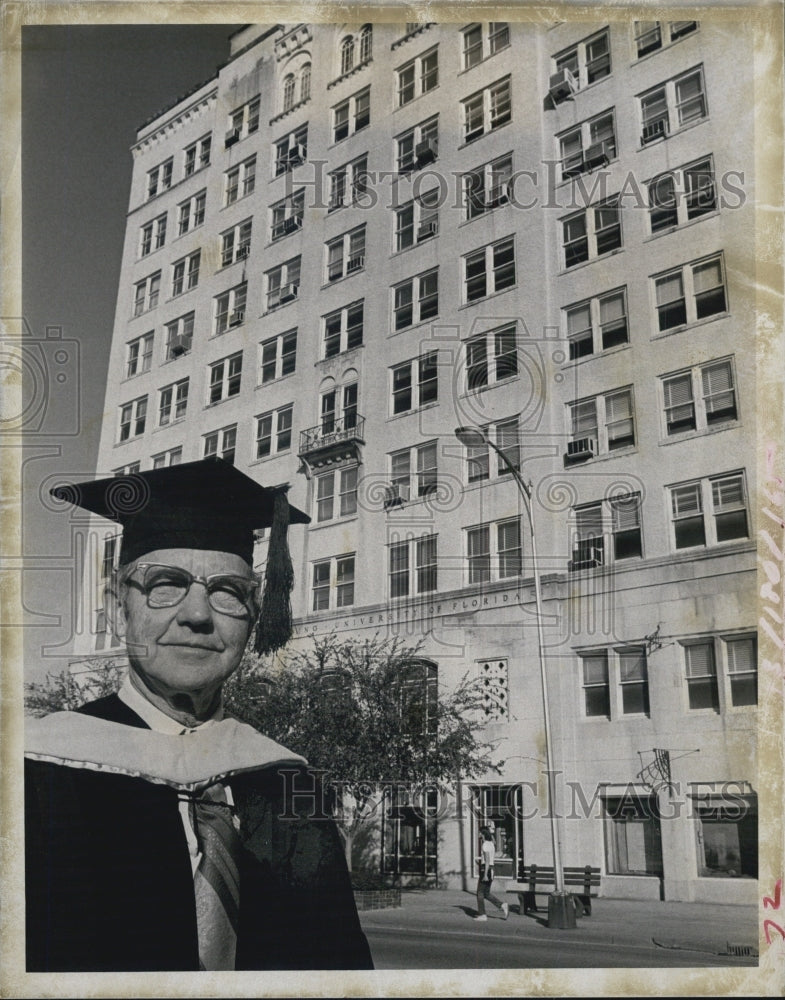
{"x": 559, "y": 914}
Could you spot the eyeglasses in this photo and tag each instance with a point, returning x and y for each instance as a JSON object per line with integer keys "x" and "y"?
{"x": 166, "y": 586}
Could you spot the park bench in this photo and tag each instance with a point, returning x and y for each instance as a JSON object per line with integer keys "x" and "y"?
{"x": 537, "y": 880}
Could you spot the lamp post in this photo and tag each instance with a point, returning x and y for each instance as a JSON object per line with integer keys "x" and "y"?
{"x": 560, "y": 913}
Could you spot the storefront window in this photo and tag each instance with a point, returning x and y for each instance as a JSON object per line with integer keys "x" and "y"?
{"x": 727, "y": 832}
{"x": 410, "y": 832}
{"x": 501, "y": 808}
{"x": 632, "y": 835}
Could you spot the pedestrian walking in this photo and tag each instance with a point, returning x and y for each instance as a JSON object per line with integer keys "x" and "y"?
{"x": 485, "y": 881}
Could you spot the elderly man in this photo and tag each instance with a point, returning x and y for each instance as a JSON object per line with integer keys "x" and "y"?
{"x": 161, "y": 835}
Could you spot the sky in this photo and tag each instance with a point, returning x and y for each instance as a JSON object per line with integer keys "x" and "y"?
{"x": 86, "y": 90}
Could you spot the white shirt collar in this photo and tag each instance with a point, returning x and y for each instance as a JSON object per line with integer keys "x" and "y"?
{"x": 157, "y": 720}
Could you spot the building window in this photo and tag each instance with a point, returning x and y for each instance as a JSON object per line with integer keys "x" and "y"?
{"x": 487, "y": 187}
{"x": 672, "y": 105}
{"x": 416, "y": 299}
{"x": 487, "y": 110}
{"x": 185, "y": 273}
{"x": 333, "y": 583}
{"x": 345, "y": 254}
{"x": 348, "y": 183}
{"x": 417, "y": 220}
{"x": 152, "y": 236}
{"x": 243, "y": 121}
{"x": 480, "y": 41}
{"x": 596, "y": 684}
{"x": 221, "y": 444}
{"x": 347, "y": 54}
{"x": 702, "y": 687}
{"x": 274, "y": 431}
{"x": 413, "y": 471}
{"x": 506, "y": 437}
{"x": 722, "y": 498}
{"x": 410, "y": 829}
{"x": 592, "y": 232}
{"x": 352, "y": 115}
{"x": 494, "y": 682}
{"x": 139, "y": 355}
{"x": 682, "y": 195}
{"x": 356, "y": 50}
{"x": 699, "y": 398}
{"x": 500, "y": 807}
{"x": 415, "y": 383}
{"x": 633, "y": 842}
{"x": 652, "y": 35}
{"x": 291, "y": 150}
{"x": 330, "y": 506}
{"x": 343, "y": 330}
{"x": 133, "y": 417}
{"x": 225, "y": 378}
{"x": 690, "y": 293}
{"x": 230, "y": 308}
{"x": 493, "y": 551}
{"x": 344, "y": 397}
{"x": 587, "y": 146}
{"x": 727, "y": 835}
{"x": 146, "y": 293}
{"x": 289, "y": 85}
{"x": 278, "y": 356}
{"x": 413, "y": 566}
{"x": 366, "y": 43}
{"x": 417, "y": 146}
{"x": 491, "y": 357}
{"x": 240, "y": 181}
{"x": 283, "y": 283}
{"x": 159, "y": 178}
{"x": 634, "y": 681}
{"x": 587, "y": 62}
{"x": 236, "y": 243}
{"x": 197, "y": 155}
{"x": 488, "y": 270}
{"x": 286, "y": 216}
{"x": 190, "y": 213}
{"x": 600, "y": 425}
{"x": 179, "y": 336}
{"x": 606, "y": 532}
{"x": 597, "y": 324}
{"x": 742, "y": 659}
{"x": 417, "y": 77}
{"x": 127, "y": 470}
{"x": 173, "y": 456}
{"x": 172, "y": 402}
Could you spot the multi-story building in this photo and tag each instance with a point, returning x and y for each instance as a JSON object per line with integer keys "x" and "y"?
{"x": 357, "y": 238}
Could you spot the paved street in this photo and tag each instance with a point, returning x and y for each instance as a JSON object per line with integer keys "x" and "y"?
{"x": 434, "y": 929}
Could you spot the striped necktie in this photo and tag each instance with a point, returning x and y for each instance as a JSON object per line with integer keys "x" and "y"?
{"x": 216, "y": 880}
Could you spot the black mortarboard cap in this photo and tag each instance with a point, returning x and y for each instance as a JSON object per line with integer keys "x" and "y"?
{"x": 200, "y": 505}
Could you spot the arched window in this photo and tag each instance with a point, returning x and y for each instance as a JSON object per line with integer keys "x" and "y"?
{"x": 366, "y": 42}
{"x": 305, "y": 82}
{"x": 347, "y": 54}
{"x": 419, "y": 696}
{"x": 288, "y": 92}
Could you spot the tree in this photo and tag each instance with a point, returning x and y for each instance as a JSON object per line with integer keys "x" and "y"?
{"x": 370, "y": 713}
{"x": 67, "y": 690}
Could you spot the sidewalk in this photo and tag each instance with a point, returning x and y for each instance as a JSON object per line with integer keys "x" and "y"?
{"x": 695, "y": 927}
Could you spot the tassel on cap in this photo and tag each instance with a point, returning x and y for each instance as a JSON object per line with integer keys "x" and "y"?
{"x": 274, "y": 627}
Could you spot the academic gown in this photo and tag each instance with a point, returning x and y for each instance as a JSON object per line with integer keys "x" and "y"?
{"x": 109, "y": 882}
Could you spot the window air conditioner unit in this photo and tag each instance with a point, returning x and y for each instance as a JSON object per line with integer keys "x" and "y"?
{"x": 355, "y": 263}
{"x": 237, "y": 317}
{"x": 289, "y": 292}
{"x": 292, "y": 223}
{"x": 425, "y": 152}
{"x": 427, "y": 229}
{"x": 580, "y": 449}
{"x": 179, "y": 345}
{"x": 497, "y": 196}
{"x": 562, "y": 85}
{"x": 396, "y": 494}
{"x": 296, "y": 155}
{"x": 587, "y": 557}
{"x": 654, "y": 130}
{"x": 243, "y": 252}
{"x": 595, "y": 156}
{"x": 232, "y": 136}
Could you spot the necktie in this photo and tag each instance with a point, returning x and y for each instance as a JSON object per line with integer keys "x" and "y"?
{"x": 217, "y": 880}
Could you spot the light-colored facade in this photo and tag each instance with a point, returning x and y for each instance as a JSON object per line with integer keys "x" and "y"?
{"x": 355, "y": 239}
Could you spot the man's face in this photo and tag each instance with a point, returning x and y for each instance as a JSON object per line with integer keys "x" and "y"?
{"x": 189, "y": 650}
